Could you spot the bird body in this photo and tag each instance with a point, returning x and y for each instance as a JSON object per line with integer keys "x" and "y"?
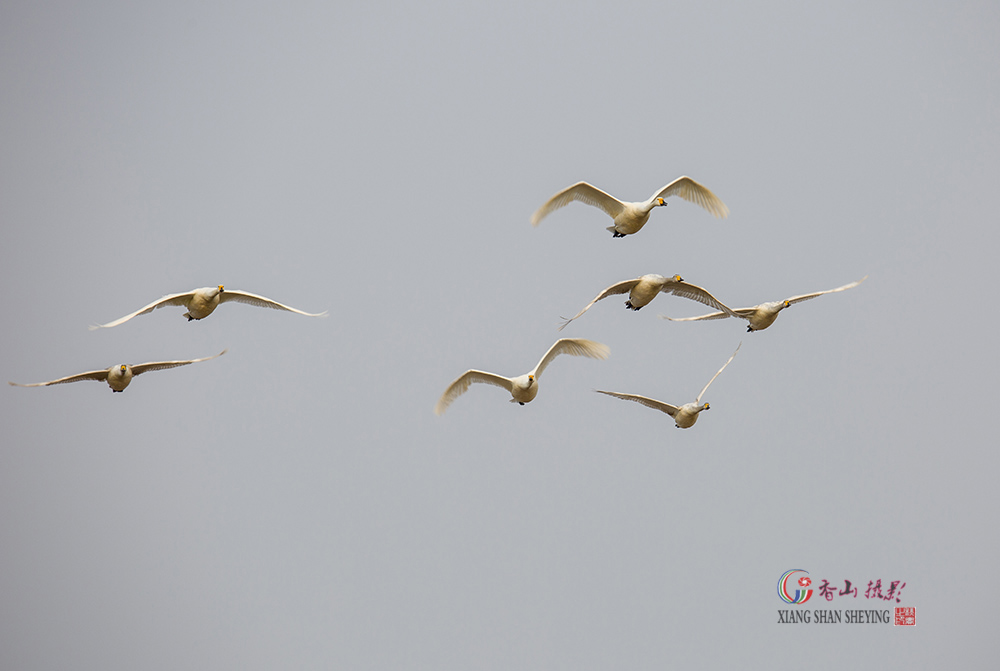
{"x": 119, "y": 377}
{"x": 200, "y": 303}
{"x": 522, "y": 388}
{"x": 646, "y": 289}
{"x": 642, "y": 290}
{"x": 630, "y": 217}
{"x": 633, "y": 216}
{"x": 763, "y": 315}
{"x": 685, "y": 415}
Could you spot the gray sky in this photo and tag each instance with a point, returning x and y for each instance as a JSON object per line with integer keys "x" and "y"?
{"x": 297, "y": 504}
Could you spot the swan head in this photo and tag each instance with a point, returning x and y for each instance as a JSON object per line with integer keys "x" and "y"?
{"x": 525, "y": 383}
{"x": 677, "y": 278}
{"x": 221, "y": 288}
{"x": 785, "y": 304}
{"x": 661, "y": 202}
{"x": 705, "y": 407}
{"x": 123, "y": 368}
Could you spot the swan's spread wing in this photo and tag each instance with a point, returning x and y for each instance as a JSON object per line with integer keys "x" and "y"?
{"x": 646, "y": 401}
{"x": 695, "y": 293}
{"x": 693, "y": 192}
{"x": 698, "y": 400}
{"x": 620, "y": 288}
{"x": 461, "y": 385}
{"x": 262, "y": 302}
{"x": 583, "y": 192}
{"x": 141, "y": 368}
{"x": 743, "y": 313}
{"x": 805, "y": 297}
{"x": 100, "y": 375}
{"x": 180, "y": 300}
{"x": 575, "y": 347}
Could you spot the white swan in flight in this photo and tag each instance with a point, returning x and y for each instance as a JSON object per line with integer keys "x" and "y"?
{"x": 202, "y": 302}
{"x": 763, "y": 315}
{"x": 523, "y": 388}
{"x": 684, "y": 416}
{"x": 118, "y": 377}
{"x": 630, "y": 217}
{"x": 644, "y": 289}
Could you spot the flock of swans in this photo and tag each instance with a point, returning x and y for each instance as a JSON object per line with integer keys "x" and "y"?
{"x": 629, "y": 218}
{"x": 199, "y": 304}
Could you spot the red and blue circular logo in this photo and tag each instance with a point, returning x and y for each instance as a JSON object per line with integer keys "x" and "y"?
{"x": 801, "y": 595}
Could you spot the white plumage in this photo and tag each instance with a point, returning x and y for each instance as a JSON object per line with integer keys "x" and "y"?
{"x": 523, "y": 388}
{"x": 763, "y": 315}
{"x": 119, "y": 377}
{"x": 642, "y": 290}
{"x": 202, "y": 302}
{"x": 684, "y": 416}
{"x": 630, "y": 217}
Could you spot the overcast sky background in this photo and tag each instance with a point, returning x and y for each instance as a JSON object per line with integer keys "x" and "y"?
{"x": 297, "y": 504}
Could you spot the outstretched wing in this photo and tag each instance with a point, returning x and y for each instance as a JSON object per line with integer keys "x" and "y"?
{"x": 583, "y": 192}
{"x": 698, "y": 400}
{"x": 805, "y": 297}
{"x": 695, "y": 293}
{"x": 141, "y": 368}
{"x": 461, "y": 385}
{"x": 262, "y": 302}
{"x": 743, "y": 313}
{"x": 646, "y": 401}
{"x": 620, "y": 288}
{"x": 180, "y": 300}
{"x": 90, "y": 375}
{"x": 693, "y": 192}
{"x": 574, "y": 347}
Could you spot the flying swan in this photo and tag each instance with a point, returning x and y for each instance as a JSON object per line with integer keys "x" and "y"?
{"x": 118, "y": 377}
{"x": 630, "y": 217}
{"x": 202, "y": 302}
{"x": 763, "y": 315}
{"x": 523, "y": 388}
{"x": 684, "y": 416}
{"x": 644, "y": 289}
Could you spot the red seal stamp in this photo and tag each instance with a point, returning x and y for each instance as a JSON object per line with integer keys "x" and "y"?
{"x": 906, "y": 615}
